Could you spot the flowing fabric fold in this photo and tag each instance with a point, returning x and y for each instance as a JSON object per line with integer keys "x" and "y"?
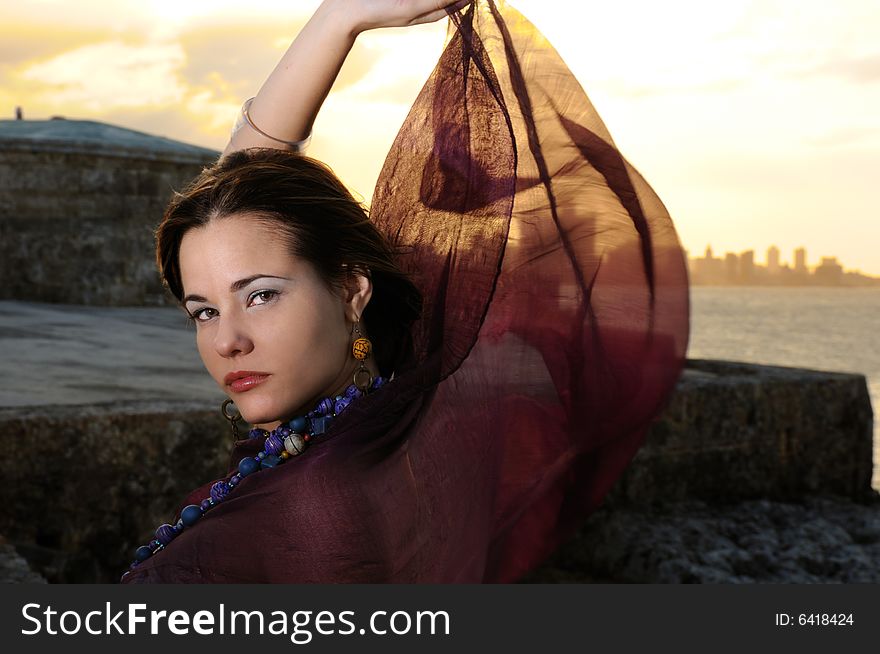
{"x": 555, "y": 327}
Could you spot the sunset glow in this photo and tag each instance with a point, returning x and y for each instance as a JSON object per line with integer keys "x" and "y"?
{"x": 757, "y": 123}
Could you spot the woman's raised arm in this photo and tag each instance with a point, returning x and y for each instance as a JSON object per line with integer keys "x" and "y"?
{"x": 289, "y": 100}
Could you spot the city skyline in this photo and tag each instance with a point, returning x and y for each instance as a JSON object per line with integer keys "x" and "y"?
{"x": 769, "y": 258}
{"x": 741, "y": 268}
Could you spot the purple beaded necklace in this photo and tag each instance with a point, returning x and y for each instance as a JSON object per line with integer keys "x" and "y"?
{"x": 287, "y": 440}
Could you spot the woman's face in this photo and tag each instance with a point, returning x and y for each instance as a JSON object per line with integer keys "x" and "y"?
{"x": 258, "y": 308}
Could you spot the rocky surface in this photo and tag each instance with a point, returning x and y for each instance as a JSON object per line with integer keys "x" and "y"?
{"x": 14, "y": 569}
{"x": 819, "y": 539}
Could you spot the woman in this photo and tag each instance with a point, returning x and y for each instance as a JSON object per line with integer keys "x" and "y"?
{"x": 443, "y": 392}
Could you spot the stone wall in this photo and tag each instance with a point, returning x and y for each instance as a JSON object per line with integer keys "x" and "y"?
{"x": 83, "y": 486}
{"x": 76, "y": 226}
{"x": 737, "y": 431}
{"x": 87, "y": 484}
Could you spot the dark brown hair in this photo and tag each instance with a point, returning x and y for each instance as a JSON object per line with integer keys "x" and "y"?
{"x": 319, "y": 221}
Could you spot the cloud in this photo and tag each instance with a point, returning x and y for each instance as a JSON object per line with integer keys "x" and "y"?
{"x": 399, "y": 63}
{"x": 861, "y": 70}
{"x": 153, "y": 17}
{"x": 25, "y": 41}
{"x": 102, "y": 76}
{"x": 241, "y": 56}
{"x": 205, "y": 71}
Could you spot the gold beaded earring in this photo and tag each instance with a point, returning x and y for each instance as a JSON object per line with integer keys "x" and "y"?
{"x": 231, "y": 418}
{"x": 360, "y": 350}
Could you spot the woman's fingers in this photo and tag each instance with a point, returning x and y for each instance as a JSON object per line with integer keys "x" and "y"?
{"x": 437, "y": 14}
{"x": 456, "y": 4}
{"x": 433, "y": 6}
{"x": 372, "y": 14}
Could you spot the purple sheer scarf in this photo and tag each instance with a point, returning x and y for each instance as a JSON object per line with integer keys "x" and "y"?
{"x": 555, "y": 327}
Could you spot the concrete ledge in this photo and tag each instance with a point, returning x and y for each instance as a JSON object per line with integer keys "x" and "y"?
{"x": 85, "y": 485}
{"x": 742, "y": 431}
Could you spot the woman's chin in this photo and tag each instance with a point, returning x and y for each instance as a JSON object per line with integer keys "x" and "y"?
{"x": 257, "y": 415}
{"x": 260, "y": 410}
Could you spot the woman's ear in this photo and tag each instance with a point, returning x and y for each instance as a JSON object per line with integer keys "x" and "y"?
{"x": 358, "y": 291}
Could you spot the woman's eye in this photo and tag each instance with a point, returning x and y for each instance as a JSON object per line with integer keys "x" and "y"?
{"x": 196, "y": 314}
{"x": 266, "y": 295}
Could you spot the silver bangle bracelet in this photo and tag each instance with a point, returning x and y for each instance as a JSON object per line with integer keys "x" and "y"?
{"x": 244, "y": 116}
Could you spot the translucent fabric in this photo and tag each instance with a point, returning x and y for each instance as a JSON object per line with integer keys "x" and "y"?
{"x": 555, "y": 328}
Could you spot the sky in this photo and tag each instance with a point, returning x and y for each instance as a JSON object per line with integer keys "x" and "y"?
{"x": 757, "y": 122}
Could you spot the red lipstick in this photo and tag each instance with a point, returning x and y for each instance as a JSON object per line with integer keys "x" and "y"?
{"x": 244, "y": 380}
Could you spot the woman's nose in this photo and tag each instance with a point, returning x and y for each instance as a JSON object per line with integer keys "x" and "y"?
{"x": 231, "y": 338}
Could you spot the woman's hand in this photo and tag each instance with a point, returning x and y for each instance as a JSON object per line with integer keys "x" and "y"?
{"x": 371, "y": 14}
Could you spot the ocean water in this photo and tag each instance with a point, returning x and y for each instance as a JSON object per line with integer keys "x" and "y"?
{"x": 823, "y": 328}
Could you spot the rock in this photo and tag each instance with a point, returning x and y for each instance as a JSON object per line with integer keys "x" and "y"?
{"x": 14, "y": 569}
{"x": 823, "y": 539}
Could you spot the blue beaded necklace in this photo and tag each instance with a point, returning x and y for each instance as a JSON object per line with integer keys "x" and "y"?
{"x": 287, "y": 440}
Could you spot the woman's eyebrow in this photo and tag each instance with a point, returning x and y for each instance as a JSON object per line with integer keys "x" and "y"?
{"x": 234, "y": 287}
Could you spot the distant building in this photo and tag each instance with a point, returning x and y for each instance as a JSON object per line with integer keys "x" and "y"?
{"x": 731, "y": 268}
{"x": 773, "y": 260}
{"x": 747, "y": 266}
{"x": 829, "y": 271}
{"x": 800, "y": 261}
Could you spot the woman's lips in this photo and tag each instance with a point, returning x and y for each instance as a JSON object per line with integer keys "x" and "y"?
{"x": 246, "y": 383}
